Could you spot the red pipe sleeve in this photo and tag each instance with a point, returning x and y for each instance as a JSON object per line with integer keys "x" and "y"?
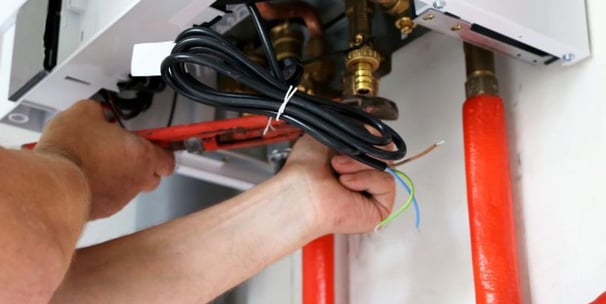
{"x": 600, "y": 300}
{"x": 318, "y": 271}
{"x": 491, "y": 221}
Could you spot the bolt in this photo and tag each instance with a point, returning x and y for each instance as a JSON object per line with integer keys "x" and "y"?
{"x": 439, "y": 4}
{"x": 194, "y": 145}
{"x": 568, "y": 57}
{"x": 278, "y": 155}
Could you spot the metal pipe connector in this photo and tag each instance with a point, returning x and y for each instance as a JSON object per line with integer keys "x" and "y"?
{"x": 286, "y": 40}
{"x": 399, "y": 9}
{"x": 358, "y": 14}
{"x": 363, "y": 63}
{"x": 479, "y": 64}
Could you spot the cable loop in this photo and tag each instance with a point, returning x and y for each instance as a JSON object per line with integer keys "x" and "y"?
{"x": 341, "y": 127}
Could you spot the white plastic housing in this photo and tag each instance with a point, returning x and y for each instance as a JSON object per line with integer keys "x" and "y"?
{"x": 558, "y": 28}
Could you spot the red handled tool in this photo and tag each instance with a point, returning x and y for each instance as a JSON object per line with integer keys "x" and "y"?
{"x": 221, "y": 134}
{"x": 218, "y": 135}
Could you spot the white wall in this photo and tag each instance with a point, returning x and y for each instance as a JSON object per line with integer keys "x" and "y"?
{"x": 557, "y": 131}
{"x": 431, "y": 265}
{"x": 13, "y": 137}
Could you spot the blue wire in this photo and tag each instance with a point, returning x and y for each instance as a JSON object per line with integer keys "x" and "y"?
{"x": 414, "y": 199}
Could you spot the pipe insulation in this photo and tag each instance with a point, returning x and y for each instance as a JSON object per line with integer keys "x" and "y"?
{"x": 318, "y": 271}
{"x": 490, "y": 206}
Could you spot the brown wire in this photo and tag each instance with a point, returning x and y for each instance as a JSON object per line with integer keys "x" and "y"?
{"x": 418, "y": 155}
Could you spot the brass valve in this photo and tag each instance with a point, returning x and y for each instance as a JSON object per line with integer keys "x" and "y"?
{"x": 287, "y": 40}
{"x": 399, "y": 9}
{"x": 362, "y": 63}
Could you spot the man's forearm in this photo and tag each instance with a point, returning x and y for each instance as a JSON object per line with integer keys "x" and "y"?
{"x": 43, "y": 205}
{"x": 195, "y": 258}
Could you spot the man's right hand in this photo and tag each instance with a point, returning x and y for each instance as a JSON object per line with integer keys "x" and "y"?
{"x": 117, "y": 164}
{"x": 344, "y": 195}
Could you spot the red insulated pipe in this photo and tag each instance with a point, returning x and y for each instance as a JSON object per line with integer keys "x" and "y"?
{"x": 600, "y": 300}
{"x": 318, "y": 271}
{"x": 493, "y": 242}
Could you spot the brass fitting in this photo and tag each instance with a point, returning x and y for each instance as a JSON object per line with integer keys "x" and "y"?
{"x": 481, "y": 78}
{"x": 358, "y": 14}
{"x": 399, "y": 9}
{"x": 362, "y": 63}
{"x": 319, "y": 71}
{"x": 287, "y": 40}
{"x": 405, "y": 25}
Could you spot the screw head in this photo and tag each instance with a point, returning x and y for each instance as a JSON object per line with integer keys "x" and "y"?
{"x": 439, "y": 4}
{"x": 428, "y": 17}
{"x": 568, "y": 57}
{"x": 456, "y": 28}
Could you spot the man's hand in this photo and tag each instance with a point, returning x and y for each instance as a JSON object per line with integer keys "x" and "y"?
{"x": 117, "y": 164}
{"x": 313, "y": 195}
{"x": 350, "y": 197}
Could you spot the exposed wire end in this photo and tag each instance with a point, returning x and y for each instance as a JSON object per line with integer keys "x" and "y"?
{"x": 420, "y": 154}
{"x": 407, "y": 183}
{"x": 377, "y": 228}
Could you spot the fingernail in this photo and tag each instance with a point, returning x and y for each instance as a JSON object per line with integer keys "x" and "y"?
{"x": 342, "y": 160}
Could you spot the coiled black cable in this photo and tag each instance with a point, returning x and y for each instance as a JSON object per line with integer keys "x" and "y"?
{"x": 335, "y": 125}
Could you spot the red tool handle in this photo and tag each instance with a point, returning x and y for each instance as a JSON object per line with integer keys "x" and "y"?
{"x": 219, "y": 135}
{"x": 223, "y": 134}
{"x": 491, "y": 220}
{"x": 318, "y": 271}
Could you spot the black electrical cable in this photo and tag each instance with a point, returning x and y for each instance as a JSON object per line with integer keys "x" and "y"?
{"x": 265, "y": 41}
{"x": 338, "y": 52}
{"x": 336, "y": 125}
{"x": 110, "y": 103}
{"x": 172, "y": 109}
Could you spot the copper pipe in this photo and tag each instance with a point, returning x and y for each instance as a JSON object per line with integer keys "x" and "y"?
{"x": 303, "y": 10}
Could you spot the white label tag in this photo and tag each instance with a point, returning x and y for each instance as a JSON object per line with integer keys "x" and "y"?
{"x": 147, "y": 58}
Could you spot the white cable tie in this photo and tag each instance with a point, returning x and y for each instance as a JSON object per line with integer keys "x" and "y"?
{"x": 289, "y": 94}
{"x": 287, "y": 97}
{"x": 267, "y": 126}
